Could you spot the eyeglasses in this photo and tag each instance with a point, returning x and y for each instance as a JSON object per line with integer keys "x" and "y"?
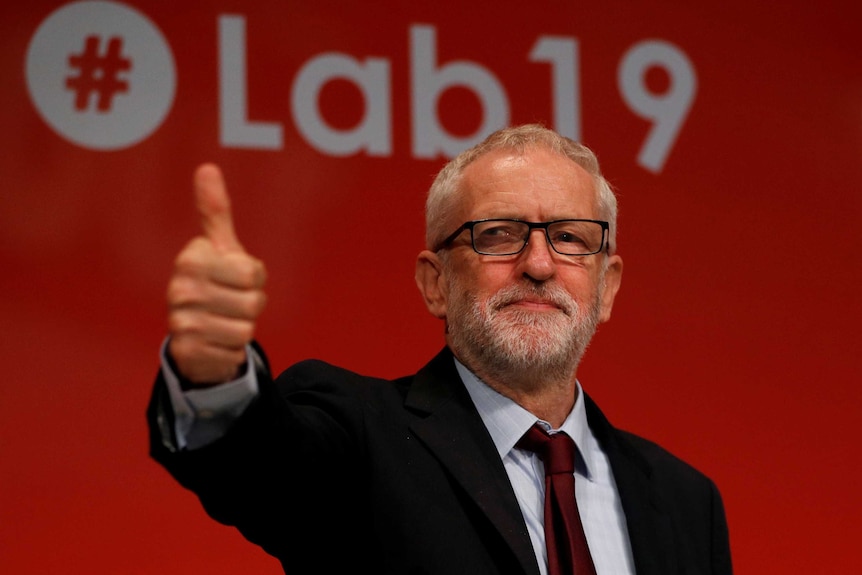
{"x": 509, "y": 237}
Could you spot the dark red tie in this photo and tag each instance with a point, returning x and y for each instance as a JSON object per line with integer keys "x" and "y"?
{"x": 568, "y": 553}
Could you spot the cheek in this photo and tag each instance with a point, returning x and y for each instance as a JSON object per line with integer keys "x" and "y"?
{"x": 582, "y": 284}
{"x": 489, "y": 285}
{"x": 481, "y": 277}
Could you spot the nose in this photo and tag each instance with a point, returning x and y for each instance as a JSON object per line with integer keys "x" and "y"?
{"x": 537, "y": 259}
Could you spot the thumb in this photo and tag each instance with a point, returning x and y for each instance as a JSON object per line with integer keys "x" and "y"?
{"x": 214, "y": 207}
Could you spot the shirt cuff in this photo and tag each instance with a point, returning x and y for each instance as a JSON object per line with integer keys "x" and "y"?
{"x": 203, "y": 415}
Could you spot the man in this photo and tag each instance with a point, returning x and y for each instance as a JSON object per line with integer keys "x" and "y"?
{"x": 331, "y": 471}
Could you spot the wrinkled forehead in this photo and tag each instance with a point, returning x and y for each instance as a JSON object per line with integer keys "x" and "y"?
{"x": 533, "y": 183}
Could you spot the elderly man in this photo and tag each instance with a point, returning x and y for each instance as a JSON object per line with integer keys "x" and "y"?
{"x": 491, "y": 459}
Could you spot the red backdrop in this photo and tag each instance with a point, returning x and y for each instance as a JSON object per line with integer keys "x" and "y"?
{"x": 732, "y": 131}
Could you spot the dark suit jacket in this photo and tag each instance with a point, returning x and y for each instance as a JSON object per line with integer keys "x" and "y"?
{"x": 333, "y": 472}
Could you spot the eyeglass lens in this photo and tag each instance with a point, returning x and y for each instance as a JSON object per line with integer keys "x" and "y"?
{"x": 569, "y": 237}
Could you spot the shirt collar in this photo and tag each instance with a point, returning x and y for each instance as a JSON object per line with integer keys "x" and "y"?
{"x": 507, "y": 421}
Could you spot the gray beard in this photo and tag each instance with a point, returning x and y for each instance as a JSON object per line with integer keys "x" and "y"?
{"x": 502, "y": 343}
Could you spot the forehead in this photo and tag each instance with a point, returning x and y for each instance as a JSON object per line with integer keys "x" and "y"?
{"x": 536, "y": 184}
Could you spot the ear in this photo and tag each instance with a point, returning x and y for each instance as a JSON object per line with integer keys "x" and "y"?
{"x": 431, "y": 281}
{"x": 613, "y": 275}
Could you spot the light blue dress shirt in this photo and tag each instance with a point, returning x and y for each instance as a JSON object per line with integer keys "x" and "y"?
{"x": 595, "y": 490}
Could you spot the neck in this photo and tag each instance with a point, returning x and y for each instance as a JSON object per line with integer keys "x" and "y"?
{"x": 550, "y": 395}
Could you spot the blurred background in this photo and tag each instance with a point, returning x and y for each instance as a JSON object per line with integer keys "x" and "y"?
{"x": 731, "y": 130}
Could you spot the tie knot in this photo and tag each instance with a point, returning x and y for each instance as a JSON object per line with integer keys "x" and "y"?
{"x": 556, "y": 451}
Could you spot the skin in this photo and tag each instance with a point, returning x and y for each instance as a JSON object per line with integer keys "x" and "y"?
{"x": 216, "y": 292}
{"x": 538, "y": 185}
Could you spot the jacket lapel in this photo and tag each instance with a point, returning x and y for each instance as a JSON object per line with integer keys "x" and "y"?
{"x": 649, "y": 526}
{"x": 453, "y": 431}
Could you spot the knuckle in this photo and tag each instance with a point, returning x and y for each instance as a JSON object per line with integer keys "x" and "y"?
{"x": 182, "y": 290}
{"x": 247, "y": 274}
{"x": 245, "y": 332}
{"x": 182, "y": 322}
{"x": 193, "y": 256}
{"x": 248, "y": 271}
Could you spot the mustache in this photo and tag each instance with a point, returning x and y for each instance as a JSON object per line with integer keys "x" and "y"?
{"x": 546, "y": 292}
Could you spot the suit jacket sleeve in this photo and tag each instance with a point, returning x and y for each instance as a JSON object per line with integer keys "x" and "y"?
{"x": 272, "y": 465}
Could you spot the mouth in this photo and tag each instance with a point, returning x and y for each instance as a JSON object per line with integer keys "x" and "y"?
{"x": 534, "y": 304}
{"x": 545, "y": 299}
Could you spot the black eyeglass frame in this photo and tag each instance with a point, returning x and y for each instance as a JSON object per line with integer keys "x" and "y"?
{"x": 604, "y": 245}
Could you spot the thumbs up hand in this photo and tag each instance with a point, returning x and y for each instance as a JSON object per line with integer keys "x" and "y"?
{"x": 215, "y": 294}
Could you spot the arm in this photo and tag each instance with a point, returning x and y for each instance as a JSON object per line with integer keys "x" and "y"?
{"x": 258, "y": 465}
{"x": 265, "y": 475}
{"x": 214, "y": 298}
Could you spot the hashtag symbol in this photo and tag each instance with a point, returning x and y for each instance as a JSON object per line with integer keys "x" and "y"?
{"x": 98, "y": 73}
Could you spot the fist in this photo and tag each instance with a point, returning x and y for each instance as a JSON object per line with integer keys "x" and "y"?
{"x": 215, "y": 293}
